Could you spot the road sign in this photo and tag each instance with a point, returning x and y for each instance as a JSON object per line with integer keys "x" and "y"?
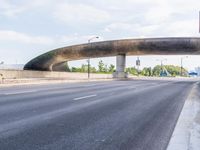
{"x": 138, "y": 62}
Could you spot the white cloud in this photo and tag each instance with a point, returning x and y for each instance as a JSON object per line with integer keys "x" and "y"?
{"x": 161, "y": 18}
{"x": 8, "y": 35}
{"x": 80, "y": 13}
{"x": 76, "y": 39}
{"x": 159, "y": 13}
{"x": 119, "y": 26}
{"x": 180, "y": 28}
{"x": 132, "y": 29}
{"x": 22, "y": 38}
{"x": 9, "y": 9}
{"x": 19, "y": 7}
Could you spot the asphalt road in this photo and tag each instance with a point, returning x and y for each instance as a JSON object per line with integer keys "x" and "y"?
{"x": 114, "y": 115}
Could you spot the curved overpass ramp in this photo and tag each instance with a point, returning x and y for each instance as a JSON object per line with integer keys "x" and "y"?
{"x": 53, "y": 60}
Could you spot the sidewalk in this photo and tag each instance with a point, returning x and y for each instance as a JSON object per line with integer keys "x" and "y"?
{"x": 186, "y": 135}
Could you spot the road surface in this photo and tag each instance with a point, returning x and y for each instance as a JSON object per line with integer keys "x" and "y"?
{"x": 114, "y": 115}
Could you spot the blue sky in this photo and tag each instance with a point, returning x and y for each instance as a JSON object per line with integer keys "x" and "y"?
{"x": 29, "y": 28}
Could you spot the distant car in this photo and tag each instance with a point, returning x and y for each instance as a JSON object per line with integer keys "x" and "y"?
{"x": 193, "y": 74}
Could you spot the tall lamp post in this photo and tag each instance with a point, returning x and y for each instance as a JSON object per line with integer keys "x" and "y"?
{"x": 161, "y": 63}
{"x": 89, "y": 40}
{"x": 138, "y": 65}
{"x": 182, "y": 64}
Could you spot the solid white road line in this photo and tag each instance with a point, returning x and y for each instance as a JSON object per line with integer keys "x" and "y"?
{"x": 79, "y": 98}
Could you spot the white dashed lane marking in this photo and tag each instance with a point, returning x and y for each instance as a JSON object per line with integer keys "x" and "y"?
{"x": 84, "y": 97}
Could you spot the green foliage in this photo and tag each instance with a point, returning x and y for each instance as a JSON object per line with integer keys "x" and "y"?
{"x": 111, "y": 68}
{"x": 101, "y": 66}
{"x": 132, "y": 70}
{"x": 147, "y": 71}
{"x": 173, "y": 70}
{"x": 156, "y": 70}
{"x": 74, "y": 69}
{"x": 93, "y": 70}
{"x": 84, "y": 68}
{"x": 67, "y": 69}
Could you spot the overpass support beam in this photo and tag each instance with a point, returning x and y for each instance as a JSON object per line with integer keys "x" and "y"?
{"x": 120, "y": 67}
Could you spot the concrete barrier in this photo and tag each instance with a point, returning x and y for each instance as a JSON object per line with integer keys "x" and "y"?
{"x": 19, "y": 74}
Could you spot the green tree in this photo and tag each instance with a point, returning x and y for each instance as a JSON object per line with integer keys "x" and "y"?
{"x": 146, "y": 71}
{"x": 111, "y": 68}
{"x": 74, "y": 69}
{"x": 156, "y": 70}
{"x": 171, "y": 69}
{"x": 132, "y": 70}
{"x": 101, "y": 66}
{"x": 84, "y": 68}
{"x": 105, "y": 69}
{"x": 93, "y": 69}
{"x": 67, "y": 69}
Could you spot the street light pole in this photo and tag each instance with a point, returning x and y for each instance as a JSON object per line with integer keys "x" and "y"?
{"x": 138, "y": 65}
{"x": 182, "y": 65}
{"x": 89, "y": 40}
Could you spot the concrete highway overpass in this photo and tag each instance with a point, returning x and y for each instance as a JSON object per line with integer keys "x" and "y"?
{"x": 54, "y": 60}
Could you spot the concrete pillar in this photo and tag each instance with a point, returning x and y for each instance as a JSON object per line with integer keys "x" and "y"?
{"x": 120, "y": 63}
{"x": 120, "y": 67}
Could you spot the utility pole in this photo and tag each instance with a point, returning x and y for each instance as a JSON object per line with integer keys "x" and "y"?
{"x": 89, "y": 40}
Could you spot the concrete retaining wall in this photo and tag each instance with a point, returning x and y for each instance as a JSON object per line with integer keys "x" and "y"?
{"x": 18, "y": 74}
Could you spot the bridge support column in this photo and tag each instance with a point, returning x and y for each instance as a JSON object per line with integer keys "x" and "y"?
{"x": 120, "y": 67}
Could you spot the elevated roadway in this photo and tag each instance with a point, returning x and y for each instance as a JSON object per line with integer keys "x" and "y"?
{"x": 56, "y": 59}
